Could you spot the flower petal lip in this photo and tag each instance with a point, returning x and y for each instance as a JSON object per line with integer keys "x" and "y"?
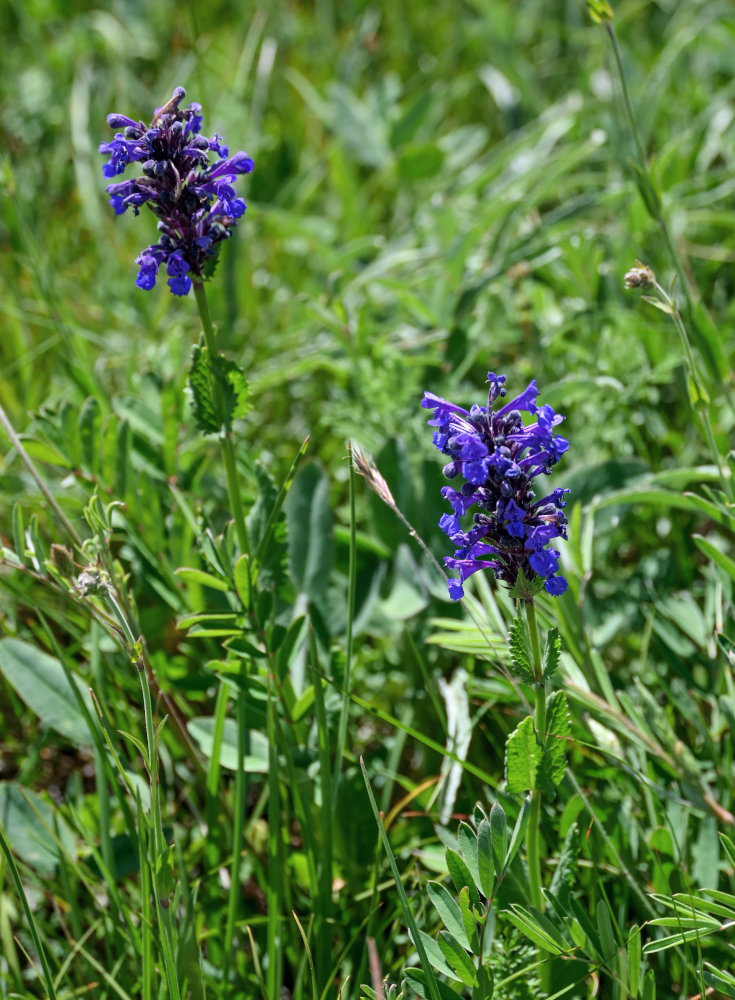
{"x": 194, "y": 200}
{"x": 499, "y": 456}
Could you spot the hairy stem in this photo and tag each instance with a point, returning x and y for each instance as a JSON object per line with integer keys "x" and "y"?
{"x": 532, "y": 837}
{"x": 226, "y": 445}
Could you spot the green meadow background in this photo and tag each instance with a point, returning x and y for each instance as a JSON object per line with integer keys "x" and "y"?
{"x": 440, "y": 189}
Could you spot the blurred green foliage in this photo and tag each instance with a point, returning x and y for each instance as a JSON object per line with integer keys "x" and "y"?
{"x": 440, "y": 189}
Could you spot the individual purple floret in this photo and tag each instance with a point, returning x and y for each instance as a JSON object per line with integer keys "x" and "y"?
{"x": 498, "y": 457}
{"x": 195, "y": 201}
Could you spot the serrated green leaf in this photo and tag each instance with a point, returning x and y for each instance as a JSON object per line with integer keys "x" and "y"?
{"x": 521, "y": 662}
{"x": 523, "y": 755}
{"x": 461, "y": 875}
{"x": 566, "y": 869}
{"x": 552, "y": 651}
{"x": 219, "y": 391}
{"x": 485, "y": 863}
{"x": 554, "y": 763}
{"x": 448, "y": 910}
{"x": 202, "y": 398}
{"x": 458, "y": 959}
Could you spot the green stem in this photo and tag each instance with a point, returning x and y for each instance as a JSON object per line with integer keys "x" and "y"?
{"x": 700, "y": 403}
{"x": 534, "y": 822}
{"x": 347, "y": 680}
{"x": 228, "y": 451}
{"x": 239, "y": 818}
{"x": 533, "y": 849}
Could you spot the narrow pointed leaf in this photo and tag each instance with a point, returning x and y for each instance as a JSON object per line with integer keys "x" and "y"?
{"x": 519, "y": 831}
{"x": 485, "y": 858}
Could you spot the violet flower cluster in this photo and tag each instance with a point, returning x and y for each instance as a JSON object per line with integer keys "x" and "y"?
{"x": 499, "y": 457}
{"x": 195, "y": 201}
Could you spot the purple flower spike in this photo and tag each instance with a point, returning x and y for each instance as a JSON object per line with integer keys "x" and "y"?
{"x": 194, "y": 200}
{"x": 499, "y": 456}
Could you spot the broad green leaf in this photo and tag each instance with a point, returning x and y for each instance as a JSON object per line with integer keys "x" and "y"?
{"x": 448, "y": 910}
{"x": 29, "y": 822}
{"x": 521, "y": 662}
{"x": 461, "y": 875}
{"x": 41, "y": 683}
{"x": 310, "y": 536}
{"x": 458, "y": 959}
{"x": 435, "y": 954}
{"x": 485, "y": 858}
{"x": 523, "y": 756}
{"x": 552, "y": 651}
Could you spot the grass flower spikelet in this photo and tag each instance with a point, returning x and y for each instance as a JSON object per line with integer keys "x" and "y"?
{"x": 499, "y": 457}
{"x": 195, "y": 200}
